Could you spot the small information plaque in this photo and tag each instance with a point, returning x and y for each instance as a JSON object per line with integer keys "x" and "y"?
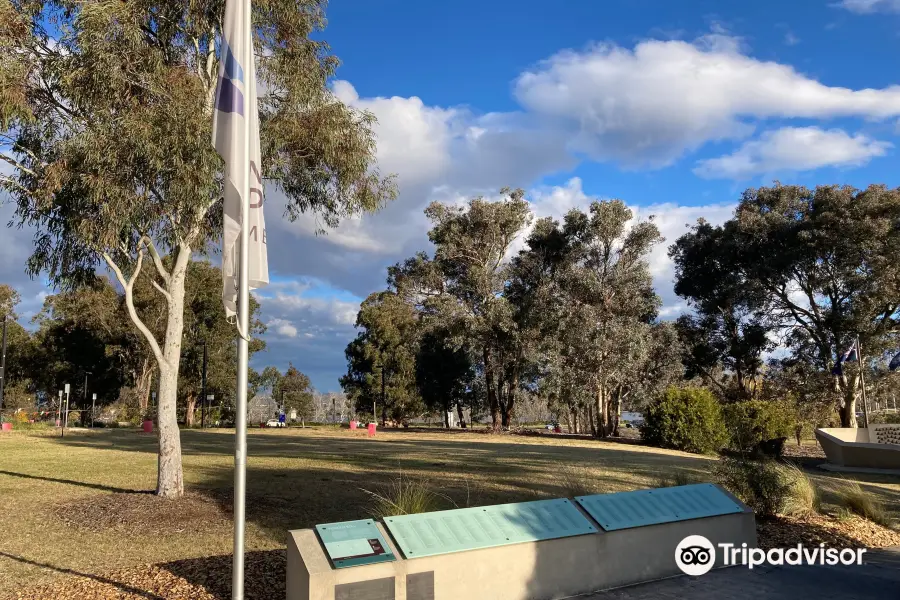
{"x": 354, "y": 543}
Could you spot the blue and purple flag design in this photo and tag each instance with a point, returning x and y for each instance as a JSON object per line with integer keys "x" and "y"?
{"x": 229, "y": 97}
{"x": 236, "y": 138}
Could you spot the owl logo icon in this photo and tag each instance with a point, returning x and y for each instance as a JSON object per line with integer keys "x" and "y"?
{"x": 695, "y": 555}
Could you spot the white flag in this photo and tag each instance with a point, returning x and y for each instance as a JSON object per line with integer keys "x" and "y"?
{"x": 236, "y": 101}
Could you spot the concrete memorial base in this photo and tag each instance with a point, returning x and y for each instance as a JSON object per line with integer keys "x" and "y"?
{"x": 873, "y": 448}
{"x": 534, "y": 570}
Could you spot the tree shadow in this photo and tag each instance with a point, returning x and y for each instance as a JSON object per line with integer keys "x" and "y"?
{"x": 264, "y": 574}
{"x": 117, "y": 584}
{"x": 328, "y": 484}
{"x": 93, "y": 486}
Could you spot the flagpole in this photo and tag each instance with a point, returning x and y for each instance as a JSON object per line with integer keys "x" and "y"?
{"x": 240, "y": 442}
{"x": 862, "y": 382}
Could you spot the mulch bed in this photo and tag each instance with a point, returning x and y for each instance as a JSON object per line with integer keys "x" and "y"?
{"x": 812, "y": 530}
{"x": 140, "y": 512}
{"x": 192, "y": 579}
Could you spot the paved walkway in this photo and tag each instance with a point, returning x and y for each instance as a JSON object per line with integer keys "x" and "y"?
{"x": 877, "y": 579}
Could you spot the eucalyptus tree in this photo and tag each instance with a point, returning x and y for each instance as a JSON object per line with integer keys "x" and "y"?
{"x": 607, "y": 290}
{"x": 463, "y": 284}
{"x": 728, "y": 334}
{"x": 823, "y": 266}
{"x": 105, "y": 119}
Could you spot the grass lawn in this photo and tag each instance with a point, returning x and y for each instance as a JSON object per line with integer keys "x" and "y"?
{"x": 80, "y": 505}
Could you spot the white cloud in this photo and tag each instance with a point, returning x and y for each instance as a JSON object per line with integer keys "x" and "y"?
{"x": 870, "y": 6}
{"x": 324, "y": 310}
{"x": 649, "y": 105}
{"x": 283, "y": 327}
{"x": 793, "y": 149}
{"x": 790, "y": 39}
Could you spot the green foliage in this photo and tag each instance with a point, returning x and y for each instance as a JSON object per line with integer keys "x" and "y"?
{"x": 461, "y": 290}
{"x": 687, "y": 419}
{"x": 111, "y": 157}
{"x": 852, "y": 497}
{"x": 754, "y": 421}
{"x": 443, "y": 372}
{"x": 803, "y": 496}
{"x": 205, "y": 323}
{"x": 726, "y": 333}
{"x": 16, "y": 395}
{"x": 9, "y": 299}
{"x": 295, "y": 390}
{"x": 404, "y": 496}
{"x": 677, "y": 478}
{"x": 818, "y": 267}
{"x": 889, "y": 418}
{"x": 760, "y": 484}
{"x": 381, "y": 360}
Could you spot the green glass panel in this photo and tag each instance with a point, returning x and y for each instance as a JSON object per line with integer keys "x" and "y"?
{"x": 354, "y": 543}
{"x": 625, "y": 510}
{"x": 448, "y": 531}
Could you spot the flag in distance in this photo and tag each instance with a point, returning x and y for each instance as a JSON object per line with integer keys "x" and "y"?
{"x": 236, "y": 101}
{"x": 895, "y": 362}
{"x": 849, "y": 355}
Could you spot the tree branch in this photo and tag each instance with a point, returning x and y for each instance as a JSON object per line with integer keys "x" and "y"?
{"x": 128, "y": 284}
{"x": 157, "y": 261}
{"x": 162, "y": 291}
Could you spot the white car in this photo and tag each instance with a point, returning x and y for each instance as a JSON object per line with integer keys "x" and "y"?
{"x": 275, "y": 423}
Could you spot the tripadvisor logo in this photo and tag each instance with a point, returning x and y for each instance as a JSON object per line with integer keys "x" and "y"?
{"x": 695, "y": 555}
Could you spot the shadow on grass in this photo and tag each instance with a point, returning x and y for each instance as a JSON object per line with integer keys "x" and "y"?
{"x": 117, "y": 584}
{"x": 264, "y": 574}
{"x": 326, "y": 480}
{"x": 93, "y": 486}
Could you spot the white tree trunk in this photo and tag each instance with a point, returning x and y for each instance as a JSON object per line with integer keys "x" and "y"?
{"x": 169, "y": 478}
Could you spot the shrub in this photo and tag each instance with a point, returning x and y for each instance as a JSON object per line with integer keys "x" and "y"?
{"x": 760, "y": 484}
{"x": 755, "y": 421}
{"x": 888, "y": 418}
{"x": 404, "y": 496}
{"x": 685, "y": 419}
{"x": 803, "y": 496}
{"x": 768, "y": 486}
{"x": 676, "y": 479}
{"x": 855, "y": 499}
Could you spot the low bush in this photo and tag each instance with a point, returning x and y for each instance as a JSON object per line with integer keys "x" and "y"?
{"x": 687, "y": 419}
{"x": 754, "y": 421}
{"x": 886, "y": 418}
{"x": 758, "y": 483}
{"x": 676, "y": 479}
{"x": 852, "y": 497}
{"x": 803, "y": 496}
{"x": 769, "y": 487}
{"x": 404, "y": 496}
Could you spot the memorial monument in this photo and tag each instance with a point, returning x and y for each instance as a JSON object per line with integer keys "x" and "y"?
{"x": 544, "y": 549}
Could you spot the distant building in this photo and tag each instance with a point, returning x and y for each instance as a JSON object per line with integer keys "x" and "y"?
{"x": 261, "y": 409}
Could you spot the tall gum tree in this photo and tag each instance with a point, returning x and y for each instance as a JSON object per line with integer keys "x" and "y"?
{"x": 105, "y": 121}
{"x": 822, "y": 265}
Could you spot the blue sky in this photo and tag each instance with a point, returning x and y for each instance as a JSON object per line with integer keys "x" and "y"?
{"x": 673, "y": 106}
